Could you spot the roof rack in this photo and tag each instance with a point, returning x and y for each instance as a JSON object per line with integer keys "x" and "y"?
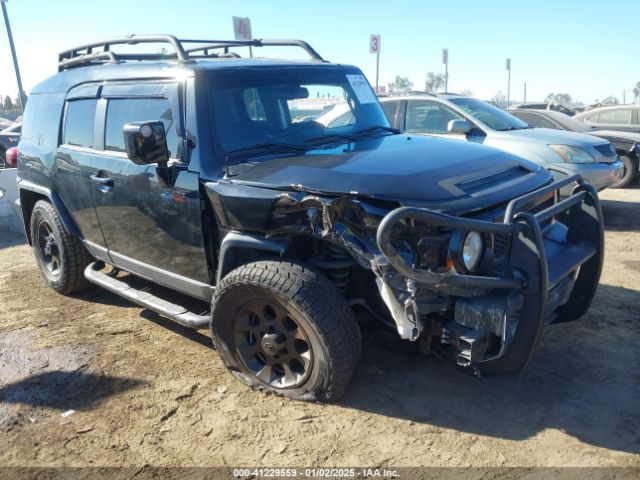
{"x": 100, "y": 52}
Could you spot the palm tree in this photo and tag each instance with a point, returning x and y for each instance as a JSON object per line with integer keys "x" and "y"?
{"x": 636, "y": 91}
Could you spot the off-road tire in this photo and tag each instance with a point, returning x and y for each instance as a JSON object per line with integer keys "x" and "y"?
{"x": 320, "y": 309}
{"x": 630, "y": 171}
{"x": 73, "y": 256}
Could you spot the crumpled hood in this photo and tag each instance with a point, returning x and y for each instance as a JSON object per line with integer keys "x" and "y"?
{"x": 412, "y": 170}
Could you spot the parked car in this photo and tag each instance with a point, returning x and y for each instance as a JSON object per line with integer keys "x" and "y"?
{"x": 187, "y": 171}
{"x": 627, "y": 144}
{"x": 624, "y": 118}
{"x": 469, "y": 119}
{"x": 9, "y": 137}
{"x": 558, "y": 107}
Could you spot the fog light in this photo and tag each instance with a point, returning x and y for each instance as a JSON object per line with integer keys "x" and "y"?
{"x": 472, "y": 250}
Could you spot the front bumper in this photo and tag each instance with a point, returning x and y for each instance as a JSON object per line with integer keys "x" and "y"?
{"x": 553, "y": 265}
{"x": 600, "y": 175}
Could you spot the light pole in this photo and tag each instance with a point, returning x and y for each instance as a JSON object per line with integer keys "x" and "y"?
{"x": 445, "y": 60}
{"x": 23, "y": 99}
{"x": 508, "y": 81}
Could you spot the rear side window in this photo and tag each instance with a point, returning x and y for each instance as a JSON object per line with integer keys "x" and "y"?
{"x": 78, "y": 128}
{"x": 534, "y": 119}
{"x": 121, "y": 111}
{"x": 621, "y": 116}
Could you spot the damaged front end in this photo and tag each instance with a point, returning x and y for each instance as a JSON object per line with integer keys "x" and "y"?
{"x": 542, "y": 266}
{"x": 539, "y": 263}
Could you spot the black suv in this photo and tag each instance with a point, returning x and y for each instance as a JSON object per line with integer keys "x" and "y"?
{"x": 197, "y": 172}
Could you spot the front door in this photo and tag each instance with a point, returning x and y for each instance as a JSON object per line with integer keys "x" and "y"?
{"x": 75, "y": 160}
{"x": 150, "y": 217}
{"x": 431, "y": 118}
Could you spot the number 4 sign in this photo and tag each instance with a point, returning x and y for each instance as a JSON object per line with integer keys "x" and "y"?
{"x": 242, "y": 28}
{"x": 374, "y": 44}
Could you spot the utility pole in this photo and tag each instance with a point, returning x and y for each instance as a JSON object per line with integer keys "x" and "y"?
{"x": 508, "y": 82}
{"x": 525, "y": 93}
{"x": 23, "y": 99}
{"x": 445, "y": 60}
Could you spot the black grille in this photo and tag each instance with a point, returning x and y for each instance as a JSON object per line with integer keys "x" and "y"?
{"x": 500, "y": 245}
{"x": 606, "y": 149}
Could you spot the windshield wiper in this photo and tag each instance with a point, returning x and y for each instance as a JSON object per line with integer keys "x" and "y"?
{"x": 375, "y": 129}
{"x": 330, "y": 138}
{"x": 264, "y": 148}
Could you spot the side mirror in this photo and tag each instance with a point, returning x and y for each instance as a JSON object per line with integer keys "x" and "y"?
{"x": 458, "y": 126}
{"x": 146, "y": 142}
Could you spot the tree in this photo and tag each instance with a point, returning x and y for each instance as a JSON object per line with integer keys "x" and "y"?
{"x": 400, "y": 86}
{"x": 434, "y": 82}
{"x": 636, "y": 91}
{"x": 466, "y": 93}
{"x": 8, "y": 103}
{"x": 499, "y": 100}
{"x": 558, "y": 97}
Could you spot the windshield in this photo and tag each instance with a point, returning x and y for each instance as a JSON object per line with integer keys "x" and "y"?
{"x": 486, "y": 113}
{"x": 293, "y": 106}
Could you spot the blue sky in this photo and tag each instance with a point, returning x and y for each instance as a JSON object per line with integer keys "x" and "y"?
{"x": 586, "y": 48}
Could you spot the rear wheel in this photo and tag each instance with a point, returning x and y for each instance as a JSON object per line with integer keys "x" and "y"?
{"x": 61, "y": 257}
{"x": 630, "y": 171}
{"x": 286, "y": 329}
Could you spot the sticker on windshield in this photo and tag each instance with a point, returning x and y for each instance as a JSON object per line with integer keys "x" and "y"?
{"x": 362, "y": 89}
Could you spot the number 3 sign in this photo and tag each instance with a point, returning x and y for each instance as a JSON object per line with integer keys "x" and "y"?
{"x": 374, "y": 44}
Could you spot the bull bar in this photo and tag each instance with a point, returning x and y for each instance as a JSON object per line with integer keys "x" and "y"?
{"x": 538, "y": 261}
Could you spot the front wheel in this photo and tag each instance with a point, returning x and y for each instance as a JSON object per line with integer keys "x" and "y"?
{"x": 286, "y": 329}
{"x": 630, "y": 171}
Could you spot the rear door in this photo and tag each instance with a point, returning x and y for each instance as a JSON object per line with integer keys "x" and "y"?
{"x": 621, "y": 119}
{"x": 76, "y": 160}
{"x": 150, "y": 216}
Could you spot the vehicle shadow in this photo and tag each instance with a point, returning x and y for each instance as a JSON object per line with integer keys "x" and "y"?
{"x": 584, "y": 381}
{"x": 620, "y": 216}
{"x": 65, "y": 390}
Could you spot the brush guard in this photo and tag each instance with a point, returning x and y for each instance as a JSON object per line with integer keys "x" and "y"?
{"x": 552, "y": 267}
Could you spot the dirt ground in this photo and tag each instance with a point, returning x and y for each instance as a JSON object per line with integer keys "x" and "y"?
{"x": 147, "y": 391}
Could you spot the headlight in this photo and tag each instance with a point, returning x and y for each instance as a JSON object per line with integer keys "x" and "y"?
{"x": 472, "y": 250}
{"x": 572, "y": 154}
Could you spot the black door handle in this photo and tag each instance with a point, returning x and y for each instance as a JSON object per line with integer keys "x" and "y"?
{"x": 106, "y": 181}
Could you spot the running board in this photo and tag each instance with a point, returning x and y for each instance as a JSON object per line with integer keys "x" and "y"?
{"x": 145, "y": 299}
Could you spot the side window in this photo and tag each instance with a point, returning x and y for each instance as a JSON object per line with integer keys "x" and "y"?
{"x": 253, "y": 104}
{"x": 121, "y": 111}
{"x": 429, "y": 117}
{"x": 79, "y": 120}
{"x": 621, "y": 116}
{"x": 390, "y": 110}
{"x": 535, "y": 120}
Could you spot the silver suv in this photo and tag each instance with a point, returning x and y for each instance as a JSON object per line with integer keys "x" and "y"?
{"x": 470, "y": 119}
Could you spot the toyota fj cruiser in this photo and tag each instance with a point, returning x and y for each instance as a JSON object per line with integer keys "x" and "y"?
{"x": 196, "y": 171}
